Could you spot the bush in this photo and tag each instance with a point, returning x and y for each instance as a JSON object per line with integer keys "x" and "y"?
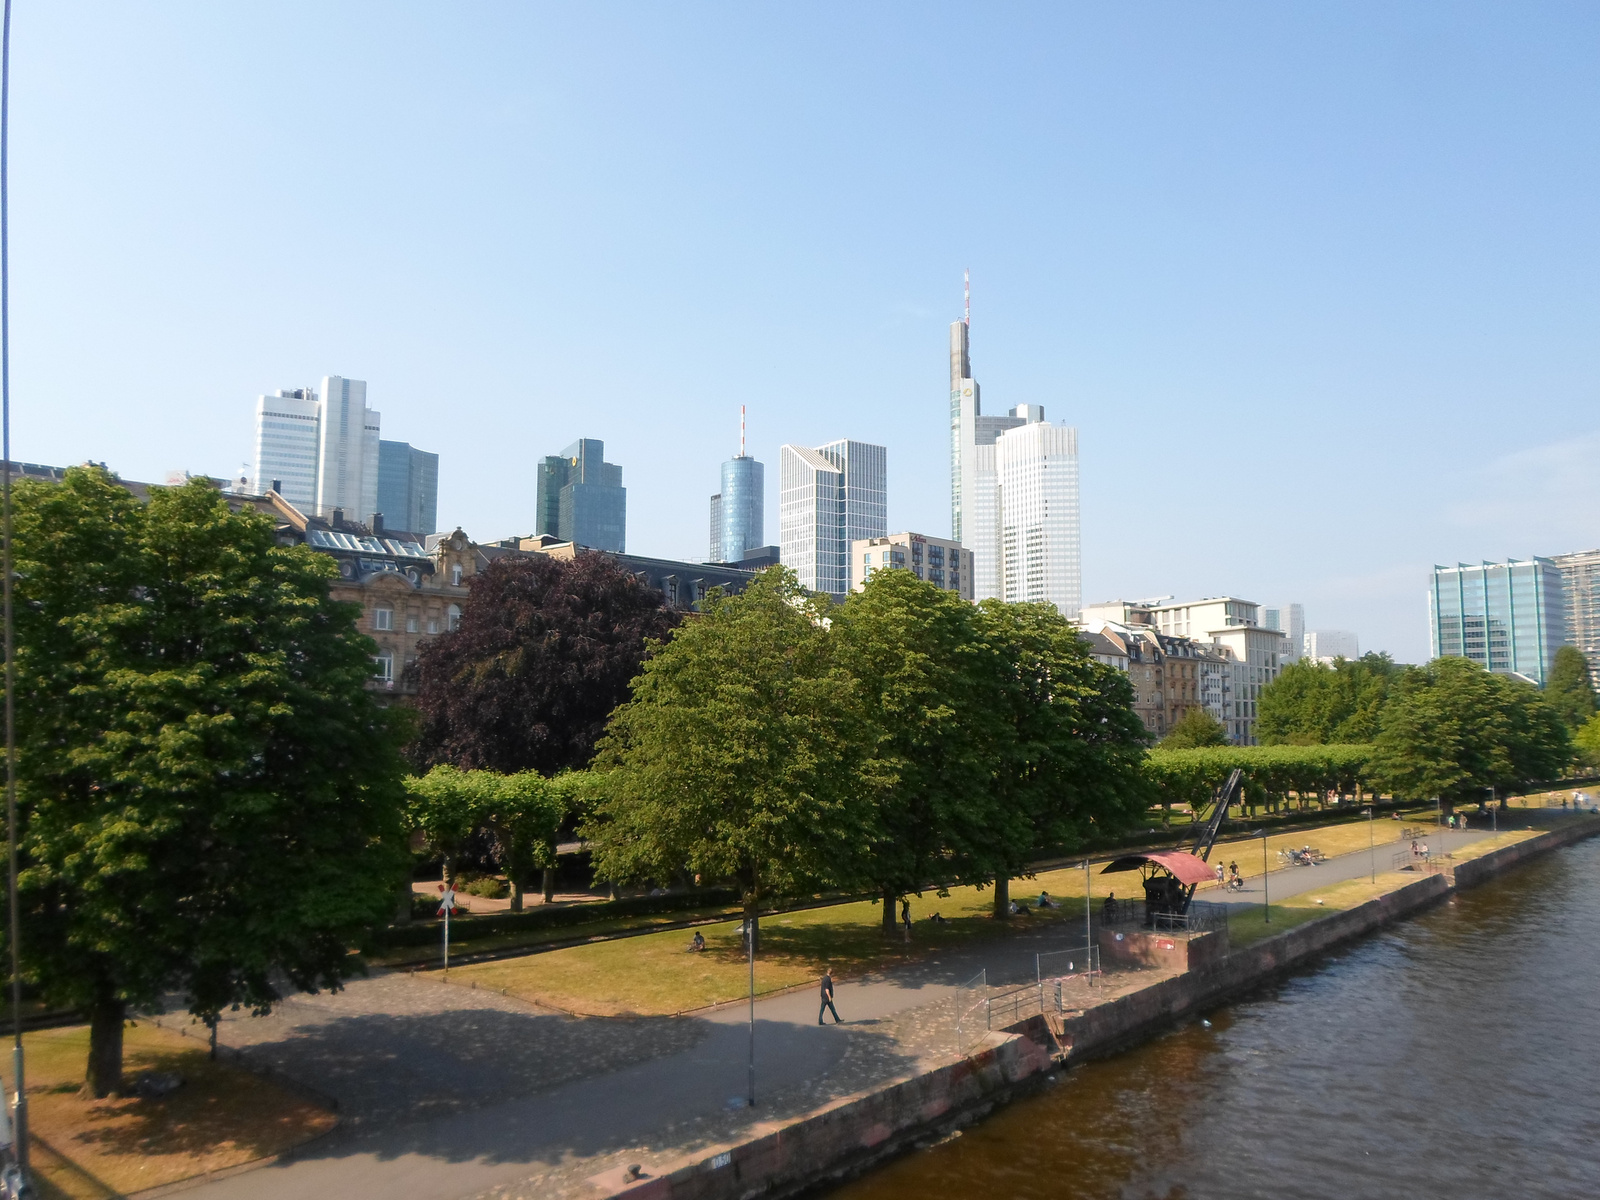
{"x": 489, "y": 888}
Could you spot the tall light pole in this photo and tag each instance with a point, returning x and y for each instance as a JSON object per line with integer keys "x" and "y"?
{"x": 1372, "y": 846}
{"x": 750, "y": 953}
{"x": 1088, "y": 922}
{"x": 1266, "y": 908}
{"x": 19, "y": 1125}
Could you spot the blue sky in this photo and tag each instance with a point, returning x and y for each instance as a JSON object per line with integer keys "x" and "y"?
{"x": 1317, "y": 284}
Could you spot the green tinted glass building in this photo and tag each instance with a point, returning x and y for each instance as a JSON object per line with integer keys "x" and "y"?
{"x": 1508, "y": 617}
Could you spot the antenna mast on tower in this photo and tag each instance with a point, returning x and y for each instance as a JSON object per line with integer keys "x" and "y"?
{"x": 741, "y": 431}
{"x": 966, "y": 289}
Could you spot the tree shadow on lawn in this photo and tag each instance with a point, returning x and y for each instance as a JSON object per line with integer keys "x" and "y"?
{"x": 669, "y": 1105}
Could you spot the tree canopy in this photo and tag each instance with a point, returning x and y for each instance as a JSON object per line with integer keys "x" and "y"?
{"x": 1312, "y": 703}
{"x": 732, "y": 758}
{"x": 1454, "y": 730}
{"x": 1569, "y": 689}
{"x": 1197, "y": 727}
{"x": 209, "y": 795}
{"x": 521, "y": 814}
{"x": 544, "y": 651}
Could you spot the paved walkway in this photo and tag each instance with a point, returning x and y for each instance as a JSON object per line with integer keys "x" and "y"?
{"x": 448, "y": 1092}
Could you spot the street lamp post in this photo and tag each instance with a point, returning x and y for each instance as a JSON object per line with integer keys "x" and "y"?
{"x": 1266, "y": 907}
{"x": 1088, "y": 923}
{"x": 1372, "y": 847}
{"x": 750, "y": 950}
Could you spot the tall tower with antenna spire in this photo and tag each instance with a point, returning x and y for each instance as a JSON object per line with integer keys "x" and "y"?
{"x": 738, "y": 511}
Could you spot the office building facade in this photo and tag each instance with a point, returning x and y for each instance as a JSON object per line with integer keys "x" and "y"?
{"x": 320, "y": 448}
{"x": 1036, "y": 468}
{"x": 1509, "y": 617}
{"x": 581, "y": 498}
{"x": 408, "y": 487}
{"x": 943, "y": 562}
{"x": 1008, "y": 482}
{"x": 829, "y": 497}
{"x": 1290, "y": 620}
{"x": 738, "y": 511}
{"x": 1580, "y": 594}
{"x": 1326, "y": 645}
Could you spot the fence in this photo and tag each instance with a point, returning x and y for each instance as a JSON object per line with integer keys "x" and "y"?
{"x": 1201, "y": 915}
{"x": 970, "y": 998}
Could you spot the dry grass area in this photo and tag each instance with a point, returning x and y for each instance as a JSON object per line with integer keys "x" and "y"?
{"x": 222, "y": 1117}
{"x": 656, "y": 975}
{"x": 1253, "y": 925}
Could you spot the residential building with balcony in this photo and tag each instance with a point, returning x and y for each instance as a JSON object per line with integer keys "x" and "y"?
{"x": 943, "y": 562}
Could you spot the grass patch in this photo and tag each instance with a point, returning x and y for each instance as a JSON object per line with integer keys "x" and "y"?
{"x": 1252, "y": 926}
{"x": 222, "y": 1117}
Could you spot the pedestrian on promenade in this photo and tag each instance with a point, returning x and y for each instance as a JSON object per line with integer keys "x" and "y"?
{"x": 905, "y": 917}
{"x": 827, "y": 997}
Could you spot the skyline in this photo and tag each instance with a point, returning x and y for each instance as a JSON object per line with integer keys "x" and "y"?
{"x": 1338, "y": 266}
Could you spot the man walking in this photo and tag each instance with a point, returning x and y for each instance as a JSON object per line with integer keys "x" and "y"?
{"x": 827, "y": 998}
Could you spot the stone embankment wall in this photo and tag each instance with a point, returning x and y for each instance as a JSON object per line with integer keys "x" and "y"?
{"x": 855, "y": 1133}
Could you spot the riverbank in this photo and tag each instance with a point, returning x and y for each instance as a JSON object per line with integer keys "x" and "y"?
{"x": 852, "y": 1134}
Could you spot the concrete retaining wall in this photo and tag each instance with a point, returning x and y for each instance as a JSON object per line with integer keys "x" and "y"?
{"x": 852, "y": 1134}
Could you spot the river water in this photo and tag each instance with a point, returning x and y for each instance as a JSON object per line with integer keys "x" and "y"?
{"x": 1452, "y": 1055}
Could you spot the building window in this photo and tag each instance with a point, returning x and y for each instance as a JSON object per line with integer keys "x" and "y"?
{"x": 383, "y": 619}
{"x": 383, "y": 667}
{"x": 455, "y": 574}
{"x": 433, "y": 624}
{"x": 411, "y": 622}
{"x": 454, "y": 615}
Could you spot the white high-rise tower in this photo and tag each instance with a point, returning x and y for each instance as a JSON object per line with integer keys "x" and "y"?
{"x": 1013, "y": 477}
{"x": 828, "y": 498}
{"x": 322, "y": 451}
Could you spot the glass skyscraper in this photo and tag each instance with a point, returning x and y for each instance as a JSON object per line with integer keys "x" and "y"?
{"x": 581, "y": 498}
{"x": 1509, "y": 617}
{"x": 738, "y": 512}
{"x": 408, "y": 487}
{"x": 828, "y": 498}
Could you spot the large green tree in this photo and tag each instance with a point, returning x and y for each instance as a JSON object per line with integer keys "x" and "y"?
{"x": 521, "y": 815}
{"x": 928, "y": 693}
{"x": 1070, "y": 767}
{"x": 1197, "y": 727}
{"x": 1454, "y": 730}
{"x": 735, "y": 757}
{"x": 1312, "y": 703}
{"x": 210, "y": 797}
{"x": 1569, "y": 688}
{"x": 545, "y": 650}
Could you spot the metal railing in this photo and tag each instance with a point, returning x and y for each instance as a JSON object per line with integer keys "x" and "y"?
{"x": 970, "y": 998}
{"x": 1009, "y": 1007}
{"x": 1077, "y": 960}
{"x": 1201, "y": 915}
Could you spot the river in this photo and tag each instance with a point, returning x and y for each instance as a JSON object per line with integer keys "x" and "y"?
{"x": 1451, "y": 1055}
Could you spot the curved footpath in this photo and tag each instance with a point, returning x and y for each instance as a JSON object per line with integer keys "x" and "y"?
{"x": 447, "y": 1092}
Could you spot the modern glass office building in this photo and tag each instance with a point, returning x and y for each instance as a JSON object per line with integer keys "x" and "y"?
{"x": 828, "y": 498}
{"x": 581, "y": 498}
{"x": 408, "y": 487}
{"x": 1509, "y": 617}
{"x": 738, "y": 512}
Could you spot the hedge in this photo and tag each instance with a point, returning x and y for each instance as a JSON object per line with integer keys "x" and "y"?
{"x": 529, "y": 920}
{"x": 1270, "y": 772}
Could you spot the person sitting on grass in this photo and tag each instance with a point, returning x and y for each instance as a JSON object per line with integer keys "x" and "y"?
{"x": 1045, "y": 901}
{"x": 697, "y": 943}
{"x": 938, "y": 920}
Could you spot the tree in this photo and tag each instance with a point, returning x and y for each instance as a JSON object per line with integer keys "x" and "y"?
{"x": 1071, "y": 766}
{"x": 1568, "y": 689}
{"x": 927, "y": 693}
{"x": 1197, "y": 727}
{"x": 1454, "y": 730}
{"x": 545, "y": 650}
{"x": 1587, "y": 742}
{"x": 1312, "y": 703}
{"x": 209, "y": 795}
{"x": 735, "y": 757}
{"x": 521, "y": 814}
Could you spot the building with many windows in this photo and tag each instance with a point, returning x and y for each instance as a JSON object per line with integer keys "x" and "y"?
{"x": 828, "y": 498}
{"x": 1013, "y": 493}
{"x": 408, "y": 487}
{"x": 581, "y": 498}
{"x": 1510, "y": 617}
{"x": 941, "y": 561}
{"x": 1580, "y": 596}
{"x": 320, "y": 451}
{"x": 738, "y": 511}
{"x": 1326, "y": 645}
{"x": 1290, "y": 620}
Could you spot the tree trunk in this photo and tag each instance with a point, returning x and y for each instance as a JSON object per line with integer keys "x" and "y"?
{"x": 549, "y": 884}
{"x": 402, "y": 905}
{"x": 1002, "y": 898}
{"x": 889, "y": 897}
{"x": 106, "y": 1017}
{"x": 516, "y": 895}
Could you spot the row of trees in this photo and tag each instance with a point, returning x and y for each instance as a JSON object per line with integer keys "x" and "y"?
{"x": 900, "y": 740}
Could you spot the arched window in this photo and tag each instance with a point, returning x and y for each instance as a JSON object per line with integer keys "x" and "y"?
{"x": 453, "y": 615}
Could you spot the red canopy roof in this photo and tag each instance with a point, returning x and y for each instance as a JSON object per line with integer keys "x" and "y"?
{"x": 1183, "y": 865}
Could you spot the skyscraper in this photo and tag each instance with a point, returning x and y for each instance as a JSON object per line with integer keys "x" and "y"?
{"x": 1510, "y": 617}
{"x": 408, "y": 487}
{"x": 322, "y": 450}
{"x": 1041, "y": 486}
{"x": 738, "y": 511}
{"x": 1290, "y": 620}
{"x": 581, "y": 498}
{"x": 828, "y": 498}
{"x": 1037, "y": 467}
